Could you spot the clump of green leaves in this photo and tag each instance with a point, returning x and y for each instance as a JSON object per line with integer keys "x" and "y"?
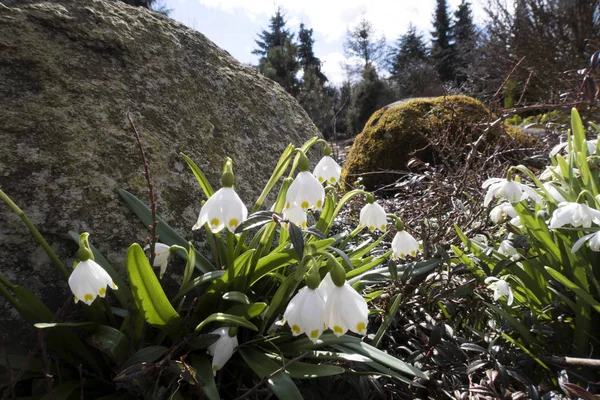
{"x": 153, "y": 343}
{"x": 545, "y": 256}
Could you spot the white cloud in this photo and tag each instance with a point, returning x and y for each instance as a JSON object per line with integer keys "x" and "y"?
{"x": 333, "y": 67}
{"x": 331, "y": 18}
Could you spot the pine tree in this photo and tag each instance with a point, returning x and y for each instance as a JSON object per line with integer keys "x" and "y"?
{"x": 442, "y": 46}
{"x": 316, "y": 101}
{"x": 366, "y": 99}
{"x": 275, "y": 36}
{"x": 362, "y": 42}
{"x": 279, "y": 53}
{"x": 306, "y": 56}
{"x": 465, "y": 40}
{"x": 410, "y": 49}
{"x": 409, "y": 66}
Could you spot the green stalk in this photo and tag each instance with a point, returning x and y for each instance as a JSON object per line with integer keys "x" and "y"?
{"x": 352, "y": 234}
{"x": 38, "y": 236}
{"x": 388, "y": 320}
{"x": 230, "y": 255}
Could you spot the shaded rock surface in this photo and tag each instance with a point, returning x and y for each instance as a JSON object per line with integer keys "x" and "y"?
{"x": 69, "y": 73}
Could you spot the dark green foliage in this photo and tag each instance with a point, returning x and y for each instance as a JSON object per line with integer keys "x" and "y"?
{"x": 275, "y": 36}
{"x": 442, "y": 45}
{"x": 316, "y": 100}
{"x": 366, "y": 99}
{"x": 306, "y": 56}
{"x": 410, "y": 69}
{"x": 465, "y": 40}
{"x": 278, "y": 53}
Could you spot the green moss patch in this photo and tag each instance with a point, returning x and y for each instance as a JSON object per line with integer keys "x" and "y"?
{"x": 398, "y": 132}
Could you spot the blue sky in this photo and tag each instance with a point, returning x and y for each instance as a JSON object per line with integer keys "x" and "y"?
{"x": 234, "y": 24}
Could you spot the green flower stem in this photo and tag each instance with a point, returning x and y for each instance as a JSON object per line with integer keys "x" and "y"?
{"x": 38, "y": 236}
{"x": 583, "y": 193}
{"x": 230, "y": 255}
{"x": 341, "y": 204}
{"x": 397, "y": 221}
{"x": 4, "y": 283}
{"x": 352, "y": 234}
{"x": 388, "y": 320}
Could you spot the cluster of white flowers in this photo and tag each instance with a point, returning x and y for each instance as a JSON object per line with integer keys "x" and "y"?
{"x": 555, "y": 191}
{"x": 373, "y": 216}
{"x": 331, "y": 304}
{"x": 339, "y": 308}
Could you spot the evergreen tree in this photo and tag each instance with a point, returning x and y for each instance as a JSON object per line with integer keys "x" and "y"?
{"x": 465, "y": 40}
{"x": 362, "y": 42}
{"x": 306, "y": 55}
{"x": 366, "y": 99}
{"x": 316, "y": 101}
{"x": 279, "y": 53}
{"x": 275, "y": 36}
{"x": 410, "y": 49}
{"x": 410, "y": 70}
{"x": 442, "y": 46}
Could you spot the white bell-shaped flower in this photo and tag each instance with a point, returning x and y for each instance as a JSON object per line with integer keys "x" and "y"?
{"x": 404, "y": 244}
{"x": 222, "y": 350}
{"x": 500, "y": 288}
{"x": 161, "y": 257}
{"x": 327, "y": 170}
{"x": 373, "y": 216}
{"x": 306, "y": 192}
{"x": 510, "y": 190}
{"x": 345, "y": 309}
{"x": 296, "y": 215}
{"x": 575, "y": 214}
{"x": 89, "y": 280}
{"x": 507, "y": 249}
{"x": 556, "y": 195}
{"x": 501, "y": 211}
{"x": 223, "y": 209}
{"x": 305, "y": 313}
{"x": 593, "y": 240}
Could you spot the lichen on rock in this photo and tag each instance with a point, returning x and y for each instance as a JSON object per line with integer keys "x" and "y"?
{"x": 70, "y": 71}
{"x": 400, "y": 131}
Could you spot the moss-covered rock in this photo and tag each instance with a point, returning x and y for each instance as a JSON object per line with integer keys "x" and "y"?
{"x": 400, "y": 131}
{"x": 70, "y": 70}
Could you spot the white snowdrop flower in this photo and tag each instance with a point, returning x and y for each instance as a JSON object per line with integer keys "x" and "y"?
{"x": 222, "y": 349}
{"x": 500, "y": 288}
{"x": 305, "y": 313}
{"x": 554, "y": 193}
{"x": 510, "y": 190}
{"x": 345, "y": 309}
{"x": 372, "y": 215}
{"x": 507, "y": 249}
{"x": 404, "y": 244}
{"x": 296, "y": 215}
{"x": 306, "y": 192}
{"x": 327, "y": 170}
{"x": 591, "y": 146}
{"x": 575, "y": 214}
{"x": 593, "y": 240}
{"x": 161, "y": 258}
{"x": 551, "y": 173}
{"x": 223, "y": 209}
{"x": 89, "y": 280}
{"x": 502, "y": 211}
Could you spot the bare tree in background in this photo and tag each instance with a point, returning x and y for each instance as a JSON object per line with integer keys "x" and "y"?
{"x": 548, "y": 39}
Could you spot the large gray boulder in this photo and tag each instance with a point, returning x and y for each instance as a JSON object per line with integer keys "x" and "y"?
{"x": 70, "y": 70}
